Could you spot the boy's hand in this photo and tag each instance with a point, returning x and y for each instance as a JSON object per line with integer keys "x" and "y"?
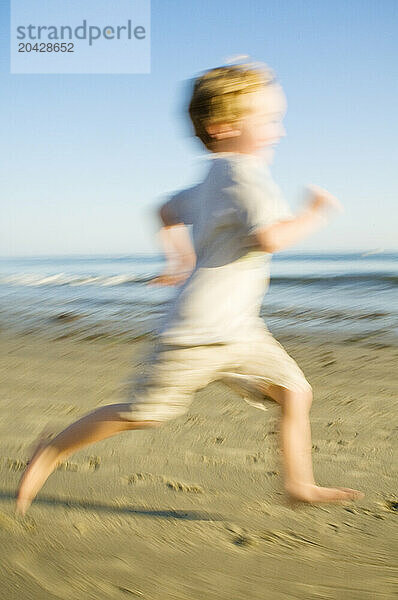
{"x": 323, "y": 202}
{"x": 279, "y": 236}
{"x": 170, "y": 278}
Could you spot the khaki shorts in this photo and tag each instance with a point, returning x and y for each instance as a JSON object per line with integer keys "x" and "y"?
{"x": 173, "y": 374}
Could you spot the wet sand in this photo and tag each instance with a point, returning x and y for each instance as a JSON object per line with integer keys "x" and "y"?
{"x": 196, "y": 509}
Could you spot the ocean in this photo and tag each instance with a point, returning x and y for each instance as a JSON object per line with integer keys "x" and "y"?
{"x": 352, "y": 295}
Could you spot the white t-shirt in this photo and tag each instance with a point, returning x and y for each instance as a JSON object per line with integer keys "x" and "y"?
{"x": 221, "y": 300}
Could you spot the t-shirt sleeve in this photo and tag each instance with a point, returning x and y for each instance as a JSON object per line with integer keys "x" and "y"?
{"x": 261, "y": 203}
{"x": 180, "y": 207}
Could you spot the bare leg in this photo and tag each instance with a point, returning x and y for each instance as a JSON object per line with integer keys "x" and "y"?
{"x": 98, "y": 425}
{"x": 296, "y": 447}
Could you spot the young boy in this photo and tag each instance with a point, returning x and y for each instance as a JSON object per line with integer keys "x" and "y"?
{"x": 214, "y": 331}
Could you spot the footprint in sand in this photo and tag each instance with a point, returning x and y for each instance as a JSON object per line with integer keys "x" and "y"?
{"x": 240, "y": 537}
{"x": 256, "y": 458}
{"x": 243, "y": 541}
{"x": 391, "y": 505}
{"x": 177, "y": 486}
{"x": 93, "y": 464}
{"x": 15, "y": 464}
{"x": 138, "y": 478}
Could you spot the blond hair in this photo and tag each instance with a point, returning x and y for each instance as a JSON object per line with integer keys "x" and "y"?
{"x": 220, "y": 95}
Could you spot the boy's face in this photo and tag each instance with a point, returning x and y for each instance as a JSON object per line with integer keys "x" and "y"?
{"x": 262, "y": 129}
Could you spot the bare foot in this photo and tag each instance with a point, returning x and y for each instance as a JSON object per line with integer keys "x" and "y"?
{"x": 314, "y": 493}
{"x": 40, "y": 466}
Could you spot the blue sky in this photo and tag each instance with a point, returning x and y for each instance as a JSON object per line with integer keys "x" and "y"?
{"x": 85, "y": 159}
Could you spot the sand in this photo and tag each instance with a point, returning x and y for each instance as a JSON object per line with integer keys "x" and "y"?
{"x": 196, "y": 510}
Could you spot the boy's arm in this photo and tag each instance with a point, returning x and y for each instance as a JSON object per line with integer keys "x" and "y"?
{"x": 177, "y": 247}
{"x": 281, "y": 235}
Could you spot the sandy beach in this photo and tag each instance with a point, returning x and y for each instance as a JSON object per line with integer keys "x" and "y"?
{"x": 196, "y": 510}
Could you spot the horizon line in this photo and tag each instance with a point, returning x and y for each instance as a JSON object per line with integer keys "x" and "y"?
{"x": 366, "y": 251}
